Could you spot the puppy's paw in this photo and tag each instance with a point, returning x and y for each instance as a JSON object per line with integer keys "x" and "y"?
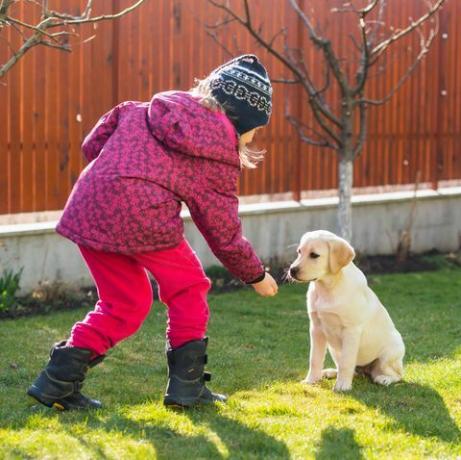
{"x": 385, "y": 379}
{"x": 342, "y": 385}
{"x": 311, "y": 379}
{"x": 329, "y": 373}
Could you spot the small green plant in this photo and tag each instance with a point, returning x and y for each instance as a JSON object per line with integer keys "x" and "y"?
{"x": 9, "y": 285}
{"x": 221, "y": 279}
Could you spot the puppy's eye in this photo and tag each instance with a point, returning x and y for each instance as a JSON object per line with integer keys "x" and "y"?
{"x": 313, "y": 255}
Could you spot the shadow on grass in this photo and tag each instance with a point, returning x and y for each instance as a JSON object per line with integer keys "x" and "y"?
{"x": 237, "y": 439}
{"x": 95, "y": 450}
{"x": 338, "y": 443}
{"x": 240, "y": 440}
{"x": 417, "y": 409}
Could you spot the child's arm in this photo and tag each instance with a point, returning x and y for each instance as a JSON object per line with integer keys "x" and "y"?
{"x": 95, "y": 140}
{"x": 216, "y": 215}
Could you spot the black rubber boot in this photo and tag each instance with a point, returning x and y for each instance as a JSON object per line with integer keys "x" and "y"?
{"x": 59, "y": 384}
{"x": 186, "y": 376}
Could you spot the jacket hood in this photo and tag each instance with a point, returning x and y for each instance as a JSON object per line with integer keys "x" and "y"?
{"x": 181, "y": 123}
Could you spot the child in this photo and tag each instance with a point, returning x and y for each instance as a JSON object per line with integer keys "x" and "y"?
{"x": 124, "y": 214}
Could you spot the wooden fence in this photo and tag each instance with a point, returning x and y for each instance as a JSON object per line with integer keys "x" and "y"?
{"x": 51, "y": 99}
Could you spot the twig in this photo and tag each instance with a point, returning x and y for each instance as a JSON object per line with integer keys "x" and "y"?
{"x": 41, "y": 31}
{"x": 63, "y": 46}
{"x": 325, "y": 46}
{"x": 425, "y": 45}
{"x": 381, "y": 47}
{"x": 49, "y": 20}
{"x": 218, "y": 42}
{"x": 85, "y": 19}
{"x": 300, "y": 127}
{"x": 286, "y": 81}
{"x": 218, "y": 25}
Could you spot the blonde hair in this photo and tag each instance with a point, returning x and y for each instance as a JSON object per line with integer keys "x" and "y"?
{"x": 249, "y": 158}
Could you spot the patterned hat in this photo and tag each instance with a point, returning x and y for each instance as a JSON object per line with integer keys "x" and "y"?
{"x": 243, "y": 88}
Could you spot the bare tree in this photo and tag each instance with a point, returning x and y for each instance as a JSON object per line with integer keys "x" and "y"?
{"x": 342, "y": 128}
{"x": 53, "y": 29}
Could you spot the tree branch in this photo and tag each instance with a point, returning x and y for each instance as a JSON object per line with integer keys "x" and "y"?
{"x": 27, "y": 45}
{"x": 85, "y": 17}
{"x": 4, "y": 5}
{"x": 317, "y": 39}
{"x": 223, "y": 23}
{"x": 300, "y": 127}
{"x": 286, "y": 81}
{"x": 280, "y": 32}
{"x": 355, "y": 43}
{"x": 325, "y": 46}
{"x": 369, "y": 8}
{"x": 59, "y": 46}
{"x": 381, "y": 47}
{"x": 323, "y": 123}
{"x": 425, "y": 45}
{"x": 362, "y": 136}
{"x": 38, "y": 28}
{"x": 219, "y": 43}
{"x": 377, "y": 23}
{"x": 49, "y": 20}
{"x": 362, "y": 72}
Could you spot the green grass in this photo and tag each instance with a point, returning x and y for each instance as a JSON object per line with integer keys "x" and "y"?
{"x": 258, "y": 354}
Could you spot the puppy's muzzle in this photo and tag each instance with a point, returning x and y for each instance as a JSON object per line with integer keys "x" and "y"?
{"x": 293, "y": 272}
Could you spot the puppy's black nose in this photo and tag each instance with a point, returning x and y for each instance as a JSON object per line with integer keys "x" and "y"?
{"x": 294, "y": 271}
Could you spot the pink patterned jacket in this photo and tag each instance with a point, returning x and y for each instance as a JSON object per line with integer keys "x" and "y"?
{"x": 147, "y": 158}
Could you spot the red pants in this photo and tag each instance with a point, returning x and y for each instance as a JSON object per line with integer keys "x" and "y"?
{"x": 125, "y": 296}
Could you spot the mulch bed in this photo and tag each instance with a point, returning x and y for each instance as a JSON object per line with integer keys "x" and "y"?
{"x": 52, "y": 298}
{"x": 34, "y": 304}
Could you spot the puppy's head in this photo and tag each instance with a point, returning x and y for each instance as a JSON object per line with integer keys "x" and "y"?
{"x": 320, "y": 253}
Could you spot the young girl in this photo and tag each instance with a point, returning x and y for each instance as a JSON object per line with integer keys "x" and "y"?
{"x": 124, "y": 214}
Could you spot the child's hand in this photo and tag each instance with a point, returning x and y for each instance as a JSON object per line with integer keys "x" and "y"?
{"x": 267, "y": 287}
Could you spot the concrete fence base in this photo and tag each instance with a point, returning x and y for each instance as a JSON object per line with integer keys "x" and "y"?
{"x": 274, "y": 228}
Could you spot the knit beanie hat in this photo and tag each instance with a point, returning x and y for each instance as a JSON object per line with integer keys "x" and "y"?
{"x": 243, "y": 88}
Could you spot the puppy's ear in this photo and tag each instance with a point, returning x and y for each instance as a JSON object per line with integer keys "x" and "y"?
{"x": 341, "y": 253}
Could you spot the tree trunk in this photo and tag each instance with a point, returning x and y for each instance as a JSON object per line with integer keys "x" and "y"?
{"x": 345, "y": 172}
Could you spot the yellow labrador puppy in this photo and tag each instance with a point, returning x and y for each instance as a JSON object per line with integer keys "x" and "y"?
{"x": 345, "y": 315}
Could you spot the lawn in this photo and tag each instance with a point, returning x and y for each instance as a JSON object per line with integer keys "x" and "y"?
{"x": 258, "y": 355}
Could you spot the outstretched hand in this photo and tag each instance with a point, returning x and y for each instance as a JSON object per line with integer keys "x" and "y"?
{"x": 267, "y": 287}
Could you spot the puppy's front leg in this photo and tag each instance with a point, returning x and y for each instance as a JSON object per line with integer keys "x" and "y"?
{"x": 317, "y": 351}
{"x": 347, "y": 359}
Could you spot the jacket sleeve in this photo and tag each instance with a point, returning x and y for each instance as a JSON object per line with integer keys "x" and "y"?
{"x": 216, "y": 215}
{"x": 95, "y": 140}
